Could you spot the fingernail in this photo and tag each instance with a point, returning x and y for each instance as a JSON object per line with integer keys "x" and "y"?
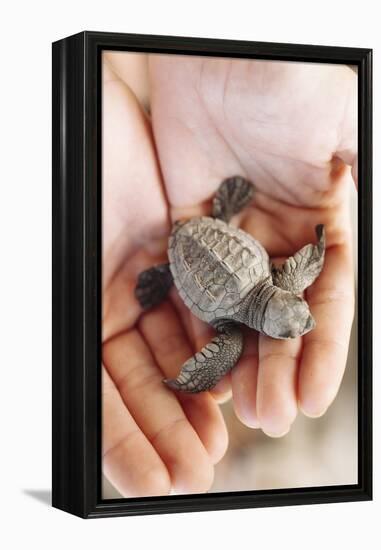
{"x": 248, "y": 418}
{"x": 222, "y": 391}
{"x": 221, "y": 398}
{"x": 312, "y": 412}
{"x": 276, "y": 434}
{"x": 251, "y": 423}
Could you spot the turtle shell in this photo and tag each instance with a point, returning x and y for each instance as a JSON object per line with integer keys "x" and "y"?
{"x": 214, "y": 266}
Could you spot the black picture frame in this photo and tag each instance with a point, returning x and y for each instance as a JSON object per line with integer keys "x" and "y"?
{"x": 76, "y": 154}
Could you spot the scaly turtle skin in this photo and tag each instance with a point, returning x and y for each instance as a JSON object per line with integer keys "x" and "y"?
{"x": 226, "y": 279}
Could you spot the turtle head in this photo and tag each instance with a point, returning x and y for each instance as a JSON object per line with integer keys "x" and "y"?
{"x": 287, "y": 316}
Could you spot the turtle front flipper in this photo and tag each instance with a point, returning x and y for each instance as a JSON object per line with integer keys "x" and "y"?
{"x": 232, "y": 196}
{"x": 300, "y": 271}
{"x": 202, "y": 371}
{"x": 153, "y": 285}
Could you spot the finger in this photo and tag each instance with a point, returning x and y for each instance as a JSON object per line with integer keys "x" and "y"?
{"x": 129, "y": 460}
{"x": 222, "y": 391}
{"x": 119, "y": 315}
{"x": 167, "y": 340}
{"x": 202, "y": 335}
{"x": 276, "y": 392}
{"x": 331, "y": 300}
{"x": 132, "y": 69}
{"x": 129, "y": 163}
{"x": 244, "y": 382}
{"x": 158, "y": 413}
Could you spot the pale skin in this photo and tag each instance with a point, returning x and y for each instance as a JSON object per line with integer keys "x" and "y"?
{"x": 291, "y": 129}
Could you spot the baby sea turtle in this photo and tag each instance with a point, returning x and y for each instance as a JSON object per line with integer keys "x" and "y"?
{"x": 225, "y": 278}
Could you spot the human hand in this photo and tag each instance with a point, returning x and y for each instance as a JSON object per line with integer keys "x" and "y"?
{"x": 153, "y": 440}
{"x": 291, "y": 129}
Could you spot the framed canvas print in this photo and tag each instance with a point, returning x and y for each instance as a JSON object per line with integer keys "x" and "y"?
{"x": 212, "y": 328}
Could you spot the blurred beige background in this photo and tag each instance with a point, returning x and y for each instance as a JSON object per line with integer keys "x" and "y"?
{"x": 316, "y": 452}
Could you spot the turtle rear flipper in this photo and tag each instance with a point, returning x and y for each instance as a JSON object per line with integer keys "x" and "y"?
{"x": 232, "y": 196}
{"x": 300, "y": 271}
{"x": 202, "y": 371}
{"x": 153, "y": 285}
